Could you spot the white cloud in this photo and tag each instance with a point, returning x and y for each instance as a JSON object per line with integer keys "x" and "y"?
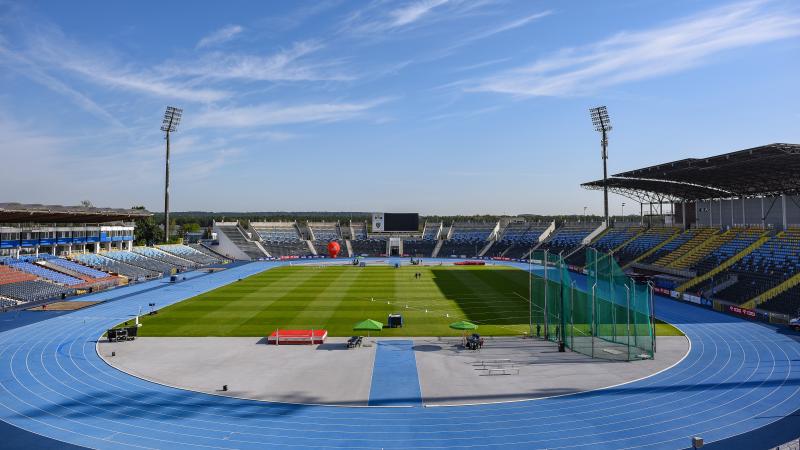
{"x": 27, "y": 68}
{"x": 285, "y": 65}
{"x": 374, "y": 18}
{"x": 220, "y": 36}
{"x": 631, "y": 56}
{"x": 273, "y": 114}
{"x": 508, "y": 26}
{"x": 412, "y": 13}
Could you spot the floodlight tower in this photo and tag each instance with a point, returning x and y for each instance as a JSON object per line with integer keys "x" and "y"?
{"x": 602, "y": 124}
{"x": 172, "y": 117}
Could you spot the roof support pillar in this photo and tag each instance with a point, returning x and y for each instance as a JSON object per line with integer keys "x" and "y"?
{"x": 763, "y": 216}
{"x": 783, "y": 210}
{"x": 744, "y": 213}
{"x": 683, "y": 213}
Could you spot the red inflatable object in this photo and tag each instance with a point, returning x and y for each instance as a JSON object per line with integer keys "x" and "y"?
{"x": 333, "y": 249}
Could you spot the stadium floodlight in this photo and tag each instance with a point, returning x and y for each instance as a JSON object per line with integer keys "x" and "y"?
{"x": 602, "y": 124}
{"x": 172, "y": 118}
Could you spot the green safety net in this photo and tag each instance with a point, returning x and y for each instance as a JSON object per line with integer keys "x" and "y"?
{"x": 606, "y": 317}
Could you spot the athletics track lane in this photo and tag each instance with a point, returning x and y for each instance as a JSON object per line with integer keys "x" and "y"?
{"x": 738, "y": 377}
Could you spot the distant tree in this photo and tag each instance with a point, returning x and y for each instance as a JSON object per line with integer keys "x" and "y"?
{"x": 147, "y": 230}
{"x": 87, "y": 204}
{"x": 191, "y": 227}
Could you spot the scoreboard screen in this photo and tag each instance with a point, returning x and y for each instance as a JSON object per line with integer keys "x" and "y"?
{"x": 399, "y": 222}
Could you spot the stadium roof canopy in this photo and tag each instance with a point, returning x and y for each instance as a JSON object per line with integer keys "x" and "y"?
{"x": 19, "y": 213}
{"x": 760, "y": 171}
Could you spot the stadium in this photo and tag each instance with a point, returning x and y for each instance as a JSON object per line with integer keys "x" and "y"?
{"x": 422, "y": 323}
{"x": 681, "y": 318}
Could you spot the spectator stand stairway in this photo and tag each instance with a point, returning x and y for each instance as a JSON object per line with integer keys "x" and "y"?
{"x": 237, "y": 237}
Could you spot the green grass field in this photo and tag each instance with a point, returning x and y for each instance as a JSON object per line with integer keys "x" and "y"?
{"x": 336, "y": 297}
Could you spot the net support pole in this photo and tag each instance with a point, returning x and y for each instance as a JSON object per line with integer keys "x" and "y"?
{"x": 546, "y": 322}
{"x": 562, "y": 318}
{"x": 530, "y": 292}
{"x": 628, "y": 314}
{"x": 652, "y": 316}
{"x": 592, "y": 327}
{"x": 572, "y": 315}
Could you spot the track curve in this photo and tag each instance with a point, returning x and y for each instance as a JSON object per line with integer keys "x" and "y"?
{"x": 737, "y": 377}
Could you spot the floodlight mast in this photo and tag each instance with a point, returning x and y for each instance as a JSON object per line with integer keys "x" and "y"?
{"x": 602, "y": 124}
{"x": 172, "y": 117}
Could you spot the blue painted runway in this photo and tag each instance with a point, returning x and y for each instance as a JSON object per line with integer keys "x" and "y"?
{"x": 738, "y": 376}
{"x": 394, "y": 376}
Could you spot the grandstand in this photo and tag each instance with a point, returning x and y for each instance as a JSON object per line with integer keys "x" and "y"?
{"x": 518, "y": 238}
{"x": 569, "y": 237}
{"x": 738, "y": 242}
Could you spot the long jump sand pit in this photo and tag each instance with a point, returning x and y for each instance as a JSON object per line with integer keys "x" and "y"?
{"x": 332, "y": 374}
{"x": 63, "y": 306}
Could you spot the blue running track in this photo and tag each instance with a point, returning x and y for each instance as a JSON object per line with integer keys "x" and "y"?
{"x": 738, "y": 376}
{"x": 394, "y": 375}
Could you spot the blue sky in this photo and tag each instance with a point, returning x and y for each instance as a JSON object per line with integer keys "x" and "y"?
{"x": 436, "y": 106}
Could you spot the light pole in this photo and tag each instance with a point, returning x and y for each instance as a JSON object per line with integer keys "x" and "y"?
{"x": 172, "y": 117}
{"x": 584, "y": 213}
{"x": 602, "y": 124}
{"x": 623, "y": 212}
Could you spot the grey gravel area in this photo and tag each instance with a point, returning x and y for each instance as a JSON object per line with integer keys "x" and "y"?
{"x": 506, "y": 369}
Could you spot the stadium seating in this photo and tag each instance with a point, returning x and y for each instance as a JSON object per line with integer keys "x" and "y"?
{"x": 359, "y": 230}
{"x": 79, "y": 268}
{"x": 31, "y": 291}
{"x": 680, "y": 246}
{"x": 42, "y": 272}
{"x": 644, "y": 243}
{"x": 472, "y": 231}
{"x": 568, "y": 237}
{"x": 371, "y": 247}
{"x": 741, "y": 239}
{"x": 418, "y": 247}
{"x": 159, "y": 255}
{"x": 467, "y": 239}
{"x": 517, "y": 239}
{"x": 287, "y": 248}
{"x": 461, "y": 247}
{"x": 764, "y": 268}
{"x": 787, "y": 302}
{"x": 110, "y": 265}
{"x": 191, "y": 254}
{"x": 138, "y": 260}
{"x": 431, "y": 231}
{"x": 607, "y": 242}
{"x": 671, "y": 249}
{"x": 277, "y": 232}
{"x": 324, "y": 231}
{"x": 703, "y": 250}
{"x": 7, "y": 302}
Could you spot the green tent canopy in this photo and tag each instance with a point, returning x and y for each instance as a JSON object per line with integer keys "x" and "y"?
{"x": 368, "y": 325}
{"x": 463, "y": 325}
